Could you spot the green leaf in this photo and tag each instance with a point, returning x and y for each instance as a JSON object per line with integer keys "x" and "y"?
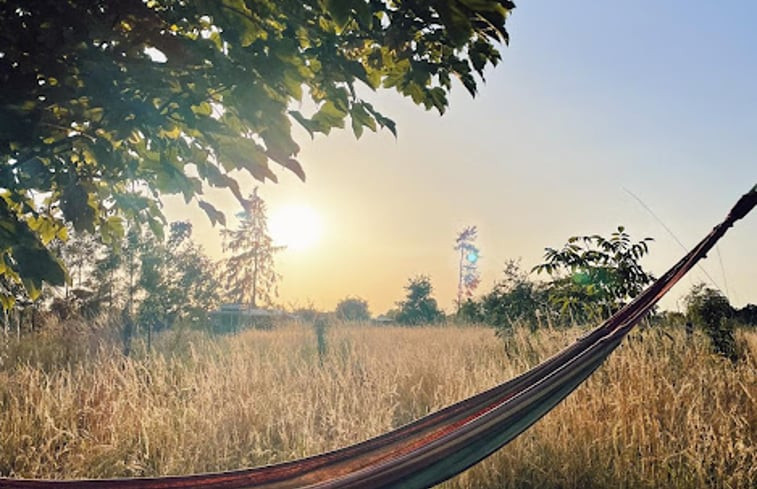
{"x": 293, "y": 83}
{"x": 306, "y": 123}
{"x": 45, "y": 227}
{"x": 357, "y": 128}
{"x": 360, "y": 117}
{"x": 382, "y": 120}
{"x": 363, "y": 13}
{"x": 36, "y": 264}
{"x": 245, "y": 154}
{"x": 397, "y": 74}
{"x": 203, "y": 109}
{"x": 328, "y": 117}
{"x": 251, "y": 33}
{"x": 76, "y": 206}
{"x": 482, "y": 5}
{"x": 214, "y": 214}
{"x": 339, "y": 10}
{"x": 156, "y": 226}
{"x": 290, "y": 164}
{"x": 456, "y": 21}
{"x": 112, "y": 230}
{"x": 172, "y": 133}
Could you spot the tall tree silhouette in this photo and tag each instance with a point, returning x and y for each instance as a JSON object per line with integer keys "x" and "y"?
{"x": 249, "y": 274}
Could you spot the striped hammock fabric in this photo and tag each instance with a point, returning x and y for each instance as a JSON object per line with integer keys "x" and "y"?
{"x": 442, "y": 444}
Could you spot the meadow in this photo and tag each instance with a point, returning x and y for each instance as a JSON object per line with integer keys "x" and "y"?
{"x": 662, "y": 412}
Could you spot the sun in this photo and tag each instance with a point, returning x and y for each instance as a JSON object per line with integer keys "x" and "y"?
{"x": 297, "y": 226}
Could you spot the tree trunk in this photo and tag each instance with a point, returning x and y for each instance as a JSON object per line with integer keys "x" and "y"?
{"x": 255, "y": 281}
{"x": 460, "y": 282}
{"x": 128, "y": 329}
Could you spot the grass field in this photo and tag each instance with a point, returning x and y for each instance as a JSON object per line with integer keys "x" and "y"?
{"x": 662, "y": 412}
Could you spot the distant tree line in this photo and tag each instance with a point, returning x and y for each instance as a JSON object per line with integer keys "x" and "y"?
{"x": 589, "y": 278}
{"x": 151, "y": 279}
{"x": 148, "y": 281}
{"x": 418, "y": 307}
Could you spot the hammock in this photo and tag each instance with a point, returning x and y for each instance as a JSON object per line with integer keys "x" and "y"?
{"x": 442, "y": 444}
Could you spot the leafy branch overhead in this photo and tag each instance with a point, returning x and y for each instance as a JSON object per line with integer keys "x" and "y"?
{"x": 107, "y": 105}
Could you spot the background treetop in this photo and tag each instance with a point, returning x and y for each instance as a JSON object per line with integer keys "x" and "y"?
{"x": 107, "y": 105}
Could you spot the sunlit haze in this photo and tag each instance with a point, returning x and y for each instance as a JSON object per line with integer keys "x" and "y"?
{"x": 590, "y": 102}
{"x": 298, "y": 227}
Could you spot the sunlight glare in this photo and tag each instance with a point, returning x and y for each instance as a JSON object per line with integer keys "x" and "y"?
{"x": 297, "y": 226}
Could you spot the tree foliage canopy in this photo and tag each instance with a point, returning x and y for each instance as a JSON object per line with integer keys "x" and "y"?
{"x": 249, "y": 274}
{"x": 468, "y": 276}
{"x": 514, "y": 299}
{"x": 711, "y": 310}
{"x": 707, "y": 306}
{"x": 176, "y": 279}
{"x": 107, "y": 105}
{"x": 419, "y": 307}
{"x": 352, "y": 309}
{"x": 593, "y": 276}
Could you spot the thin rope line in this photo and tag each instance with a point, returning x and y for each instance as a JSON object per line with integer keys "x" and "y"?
{"x": 722, "y": 271}
{"x": 671, "y": 233}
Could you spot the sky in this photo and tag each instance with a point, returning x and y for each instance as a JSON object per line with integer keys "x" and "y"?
{"x": 591, "y": 103}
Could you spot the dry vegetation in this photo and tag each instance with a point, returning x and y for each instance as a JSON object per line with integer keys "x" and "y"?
{"x": 663, "y": 411}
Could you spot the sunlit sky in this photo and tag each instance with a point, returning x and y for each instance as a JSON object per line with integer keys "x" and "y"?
{"x": 590, "y": 100}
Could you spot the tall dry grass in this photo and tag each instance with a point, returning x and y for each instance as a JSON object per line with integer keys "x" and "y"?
{"x": 663, "y": 411}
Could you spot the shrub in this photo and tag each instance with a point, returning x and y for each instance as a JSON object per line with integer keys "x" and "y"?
{"x": 747, "y": 315}
{"x": 594, "y": 276}
{"x": 710, "y": 309}
{"x": 515, "y": 299}
{"x": 352, "y": 309}
{"x": 419, "y": 307}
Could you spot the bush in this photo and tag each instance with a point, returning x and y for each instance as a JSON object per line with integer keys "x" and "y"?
{"x": 352, "y": 309}
{"x": 419, "y": 307}
{"x": 747, "y": 315}
{"x": 470, "y": 311}
{"x": 710, "y": 309}
{"x": 513, "y": 300}
{"x": 593, "y": 276}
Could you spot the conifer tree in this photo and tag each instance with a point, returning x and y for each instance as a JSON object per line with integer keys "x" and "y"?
{"x": 249, "y": 275}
